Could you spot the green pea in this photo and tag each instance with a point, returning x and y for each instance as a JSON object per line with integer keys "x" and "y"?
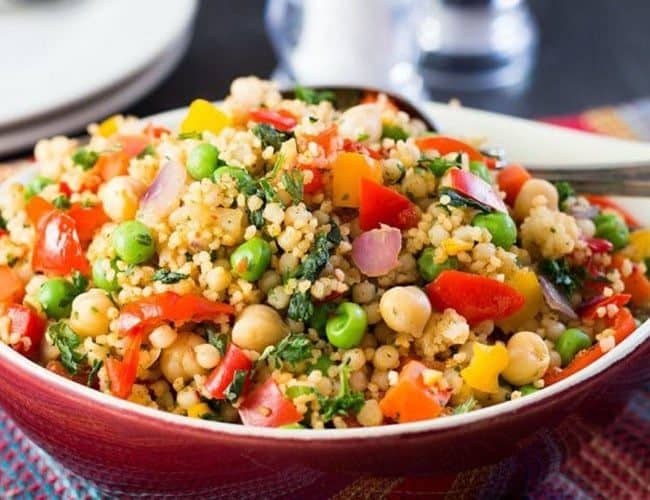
{"x": 480, "y": 169}
{"x": 99, "y": 276}
{"x": 251, "y": 259}
{"x": 528, "y": 389}
{"x": 612, "y": 228}
{"x": 56, "y": 296}
{"x": 202, "y": 161}
{"x": 133, "y": 242}
{"x": 345, "y": 330}
{"x": 429, "y": 269}
{"x": 501, "y": 226}
{"x": 35, "y": 186}
{"x": 570, "y": 343}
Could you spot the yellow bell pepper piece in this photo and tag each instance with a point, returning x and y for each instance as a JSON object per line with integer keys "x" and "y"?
{"x": 109, "y": 126}
{"x": 487, "y": 363}
{"x": 202, "y": 116}
{"x": 347, "y": 171}
{"x": 639, "y": 247}
{"x": 526, "y": 283}
{"x": 453, "y": 246}
{"x": 198, "y": 410}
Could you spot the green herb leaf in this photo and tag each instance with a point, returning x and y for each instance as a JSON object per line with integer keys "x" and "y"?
{"x": 312, "y": 96}
{"x": 269, "y": 194}
{"x": 168, "y": 277}
{"x": 79, "y": 282}
{"x": 345, "y": 402}
{"x": 3, "y": 223}
{"x": 438, "y": 166}
{"x": 466, "y": 406}
{"x": 257, "y": 218}
{"x": 62, "y": 202}
{"x": 460, "y": 200}
{"x": 147, "y": 151}
{"x": 291, "y": 349}
{"x": 218, "y": 340}
{"x": 190, "y": 135}
{"x": 562, "y": 275}
{"x": 301, "y": 308}
{"x": 66, "y": 341}
{"x": 270, "y": 136}
{"x": 92, "y": 375}
{"x": 85, "y": 158}
{"x": 298, "y": 390}
{"x": 235, "y": 388}
{"x": 393, "y": 132}
{"x": 564, "y": 191}
{"x": 293, "y": 183}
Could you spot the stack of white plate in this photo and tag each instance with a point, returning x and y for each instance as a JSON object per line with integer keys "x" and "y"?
{"x": 65, "y": 63}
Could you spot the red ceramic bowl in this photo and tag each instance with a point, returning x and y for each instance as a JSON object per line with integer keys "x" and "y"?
{"x": 129, "y": 448}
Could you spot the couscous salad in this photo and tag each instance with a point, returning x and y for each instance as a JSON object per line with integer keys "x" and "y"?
{"x": 296, "y": 263}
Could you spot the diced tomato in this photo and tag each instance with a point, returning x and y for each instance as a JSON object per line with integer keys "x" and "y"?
{"x": 476, "y": 188}
{"x": 12, "y": 288}
{"x": 636, "y": 283}
{"x": 57, "y": 250}
{"x": 221, "y": 377}
{"x": 37, "y": 207}
{"x": 122, "y": 374}
{"x": 149, "y": 312}
{"x": 65, "y": 189}
{"x": 28, "y": 326}
{"x": 477, "y": 298}
{"x": 445, "y": 145}
{"x": 325, "y": 139}
{"x": 382, "y": 205}
{"x": 57, "y": 367}
{"x": 155, "y": 131}
{"x": 266, "y": 406}
{"x": 606, "y": 202}
{"x": 315, "y": 185}
{"x": 410, "y": 400}
{"x": 356, "y": 147}
{"x": 88, "y": 220}
{"x": 112, "y": 164}
{"x": 599, "y": 245}
{"x": 623, "y": 325}
{"x": 510, "y": 181}
{"x": 282, "y": 120}
{"x": 591, "y": 312}
{"x": 132, "y": 145}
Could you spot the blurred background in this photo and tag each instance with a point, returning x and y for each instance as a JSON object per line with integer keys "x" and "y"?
{"x": 531, "y": 59}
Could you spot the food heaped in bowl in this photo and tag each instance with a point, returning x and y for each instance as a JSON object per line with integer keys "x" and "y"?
{"x": 285, "y": 263}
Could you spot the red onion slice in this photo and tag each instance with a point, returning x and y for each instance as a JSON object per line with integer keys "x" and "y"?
{"x": 555, "y": 300}
{"x": 164, "y": 193}
{"x": 375, "y": 252}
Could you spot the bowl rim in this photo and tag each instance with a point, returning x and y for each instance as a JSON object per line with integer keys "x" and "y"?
{"x": 31, "y": 368}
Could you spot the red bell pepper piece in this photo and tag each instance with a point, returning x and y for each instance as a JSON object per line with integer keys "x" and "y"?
{"x": 36, "y": 208}
{"x": 65, "y": 189}
{"x": 281, "y": 119}
{"x": 266, "y": 406}
{"x": 325, "y": 139}
{"x": 511, "y": 179}
{"x": 221, "y": 377}
{"x": 316, "y": 183}
{"x": 591, "y": 311}
{"x": 88, "y": 220}
{"x": 28, "y": 326}
{"x": 12, "y": 288}
{"x": 122, "y": 374}
{"x": 149, "y": 312}
{"x": 58, "y": 250}
{"x": 606, "y": 202}
{"x": 132, "y": 145}
{"x": 474, "y": 187}
{"x": 351, "y": 146}
{"x": 623, "y": 325}
{"x": 477, "y": 298}
{"x": 112, "y": 164}
{"x": 382, "y": 205}
{"x": 599, "y": 245}
{"x": 445, "y": 145}
{"x": 155, "y": 131}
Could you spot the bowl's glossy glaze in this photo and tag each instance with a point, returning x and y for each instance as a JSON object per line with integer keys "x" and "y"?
{"x": 129, "y": 448}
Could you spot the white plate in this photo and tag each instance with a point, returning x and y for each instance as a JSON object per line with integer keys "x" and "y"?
{"x": 17, "y": 138}
{"x": 57, "y": 53}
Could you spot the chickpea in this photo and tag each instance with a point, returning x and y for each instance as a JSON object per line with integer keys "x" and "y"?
{"x": 405, "y": 309}
{"x": 386, "y": 357}
{"x": 528, "y": 358}
{"x": 355, "y": 358}
{"x": 162, "y": 337}
{"x": 89, "y": 316}
{"x": 179, "y": 359}
{"x": 257, "y": 327}
{"x": 531, "y": 189}
{"x": 370, "y": 414}
{"x": 120, "y": 197}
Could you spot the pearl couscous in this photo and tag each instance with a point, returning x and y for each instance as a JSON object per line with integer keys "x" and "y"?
{"x": 289, "y": 263}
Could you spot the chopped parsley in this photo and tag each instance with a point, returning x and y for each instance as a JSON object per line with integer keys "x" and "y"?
{"x": 345, "y": 402}
{"x": 564, "y": 191}
{"x": 291, "y": 349}
{"x": 561, "y": 275}
{"x": 190, "y": 135}
{"x": 466, "y": 406}
{"x": 67, "y": 342}
{"x": 270, "y": 136}
{"x": 92, "y": 375}
{"x": 257, "y": 218}
{"x": 268, "y": 193}
{"x": 438, "y": 166}
{"x": 312, "y": 96}
{"x": 459, "y": 200}
{"x": 147, "y": 151}
{"x": 293, "y": 183}
{"x": 62, "y": 202}
{"x": 301, "y": 308}
{"x": 85, "y": 158}
{"x": 3, "y": 223}
{"x": 168, "y": 277}
{"x": 393, "y": 132}
{"x": 235, "y": 388}
{"x": 79, "y": 282}
{"x": 218, "y": 340}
